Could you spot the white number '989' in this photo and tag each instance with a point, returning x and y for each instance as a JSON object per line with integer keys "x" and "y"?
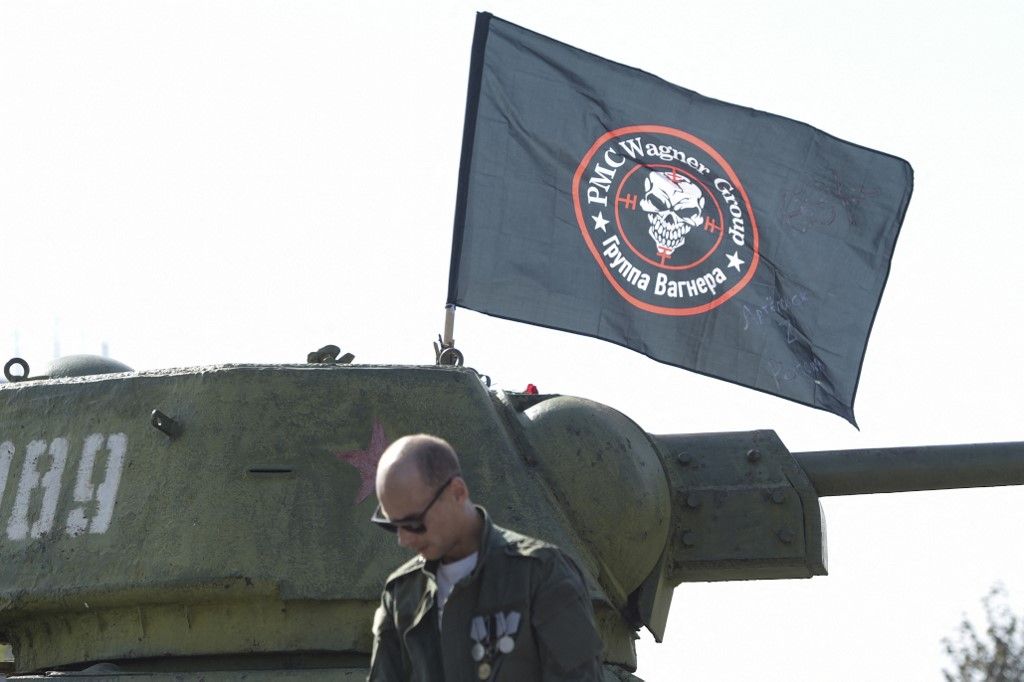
{"x": 34, "y": 483}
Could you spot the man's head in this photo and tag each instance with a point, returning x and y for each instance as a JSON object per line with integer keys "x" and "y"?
{"x": 422, "y": 493}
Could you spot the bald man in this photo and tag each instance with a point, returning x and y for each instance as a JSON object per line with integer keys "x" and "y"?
{"x": 477, "y": 602}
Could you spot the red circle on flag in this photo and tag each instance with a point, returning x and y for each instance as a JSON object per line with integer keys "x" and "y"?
{"x": 694, "y": 219}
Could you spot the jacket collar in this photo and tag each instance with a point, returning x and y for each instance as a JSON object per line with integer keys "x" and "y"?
{"x": 491, "y": 540}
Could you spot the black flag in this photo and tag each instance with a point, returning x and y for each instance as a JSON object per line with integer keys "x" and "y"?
{"x": 599, "y": 199}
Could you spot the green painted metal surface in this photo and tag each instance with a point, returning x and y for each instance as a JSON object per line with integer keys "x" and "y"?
{"x": 212, "y": 523}
{"x": 248, "y": 532}
{"x": 744, "y": 510}
{"x": 891, "y": 470}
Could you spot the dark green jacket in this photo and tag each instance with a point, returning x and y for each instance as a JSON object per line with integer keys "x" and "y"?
{"x": 556, "y": 640}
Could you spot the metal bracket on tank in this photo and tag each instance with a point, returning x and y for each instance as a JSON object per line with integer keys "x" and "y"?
{"x": 161, "y": 422}
{"x": 447, "y": 355}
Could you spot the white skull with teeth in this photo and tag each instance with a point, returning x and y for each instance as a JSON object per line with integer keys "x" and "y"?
{"x": 674, "y": 205}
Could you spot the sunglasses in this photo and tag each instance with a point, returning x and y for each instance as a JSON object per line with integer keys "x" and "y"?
{"x": 413, "y": 524}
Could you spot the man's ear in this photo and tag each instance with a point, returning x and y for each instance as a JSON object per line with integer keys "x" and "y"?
{"x": 459, "y": 489}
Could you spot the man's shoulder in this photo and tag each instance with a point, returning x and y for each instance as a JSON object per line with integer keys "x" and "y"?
{"x": 550, "y": 560}
{"x": 517, "y": 544}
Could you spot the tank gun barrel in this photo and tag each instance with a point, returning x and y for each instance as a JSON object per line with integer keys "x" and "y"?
{"x": 934, "y": 467}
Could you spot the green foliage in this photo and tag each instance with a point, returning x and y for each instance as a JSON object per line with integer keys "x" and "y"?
{"x": 995, "y": 655}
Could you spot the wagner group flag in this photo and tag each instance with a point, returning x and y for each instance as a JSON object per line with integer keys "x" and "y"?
{"x": 599, "y": 199}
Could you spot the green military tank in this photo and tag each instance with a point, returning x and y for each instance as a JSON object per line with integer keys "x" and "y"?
{"x": 212, "y": 523}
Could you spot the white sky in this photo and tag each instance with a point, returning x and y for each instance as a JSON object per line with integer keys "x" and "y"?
{"x": 207, "y": 182}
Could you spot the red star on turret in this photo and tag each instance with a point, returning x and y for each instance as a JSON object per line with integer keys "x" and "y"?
{"x": 365, "y": 461}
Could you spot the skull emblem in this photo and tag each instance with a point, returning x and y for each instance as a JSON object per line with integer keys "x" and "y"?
{"x": 674, "y": 205}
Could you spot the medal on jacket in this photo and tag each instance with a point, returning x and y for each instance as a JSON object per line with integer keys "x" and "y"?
{"x": 488, "y": 644}
{"x": 478, "y": 631}
{"x": 506, "y": 626}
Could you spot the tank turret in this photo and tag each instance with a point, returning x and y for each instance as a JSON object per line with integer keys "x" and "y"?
{"x": 216, "y": 519}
